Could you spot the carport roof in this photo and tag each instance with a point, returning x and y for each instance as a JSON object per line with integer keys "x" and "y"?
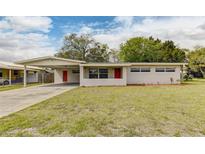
{"x": 50, "y": 61}
{"x": 10, "y": 65}
{"x": 48, "y": 58}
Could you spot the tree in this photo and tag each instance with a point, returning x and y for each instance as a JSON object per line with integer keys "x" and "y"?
{"x": 98, "y": 53}
{"x": 197, "y": 60}
{"x": 141, "y": 49}
{"x": 137, "y": 50}
{"x": 83, "y": 47}
{"x": 114, "y": 55}
{"x": 171, "y": 53}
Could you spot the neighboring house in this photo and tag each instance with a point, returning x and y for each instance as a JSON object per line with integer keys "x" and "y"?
{"x": 11, "y": 73}
{"x": 108, "y": 74}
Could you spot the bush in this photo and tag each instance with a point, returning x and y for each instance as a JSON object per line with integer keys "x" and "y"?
{"x": 187, "y": 77}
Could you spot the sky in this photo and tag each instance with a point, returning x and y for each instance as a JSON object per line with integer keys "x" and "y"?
{"x": 29, "y": 37}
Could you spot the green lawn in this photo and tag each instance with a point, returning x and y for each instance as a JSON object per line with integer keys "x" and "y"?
{"x": 16, "y": 86}
{"x": 175, "y": 110}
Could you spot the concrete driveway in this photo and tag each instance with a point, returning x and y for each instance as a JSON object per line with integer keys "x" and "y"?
{"x": 15, "y": 100}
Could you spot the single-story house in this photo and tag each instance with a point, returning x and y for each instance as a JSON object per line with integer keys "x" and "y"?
{"x": 11, "y": 73}
{"x": 107, "y": 74}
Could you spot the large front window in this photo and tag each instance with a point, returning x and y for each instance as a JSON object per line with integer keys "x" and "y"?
{"x": 95, "y": 73}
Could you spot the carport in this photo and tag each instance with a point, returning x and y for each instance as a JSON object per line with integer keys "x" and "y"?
{"x": 12, "y": 72}
{"x": 65, "y": 70}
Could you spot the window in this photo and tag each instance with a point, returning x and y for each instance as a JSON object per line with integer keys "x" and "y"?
{"x": 165, "y": 70}
{"x": 170, "y": 69}
{"x": 93, "y": 73}
{"x": 145, "y": 69}
{"x": 103, "y": 73}
{"x": 16, "y": 72}
{"x": 160, "y": 70}
{"x": 135, "y": 70}
{"x": 75, "y": 71}
{"x": 1, "y": 74}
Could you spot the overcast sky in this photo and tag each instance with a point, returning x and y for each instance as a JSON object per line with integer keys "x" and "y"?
{"x": 28, "y": 37}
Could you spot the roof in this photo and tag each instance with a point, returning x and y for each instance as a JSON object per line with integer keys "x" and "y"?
{"x": 55, "y": 62}
{"x": 48, "y": 58}
{"x": 133, "y": 64}
{"x": 10, "y": 65}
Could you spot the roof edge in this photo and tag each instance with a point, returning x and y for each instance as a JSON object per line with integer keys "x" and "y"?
{"x": 133, "y": 64}
{"x": 47, "y": 57}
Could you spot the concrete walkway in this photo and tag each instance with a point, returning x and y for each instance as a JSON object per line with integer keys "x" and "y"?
{"x": 18, "y": 99}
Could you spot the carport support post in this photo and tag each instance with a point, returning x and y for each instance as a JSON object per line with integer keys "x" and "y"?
{"x": 10, "y": 77}
{"x": 43, "y": 77}
{"x": 25, "y": 76}
{"x": 81, "y": 75}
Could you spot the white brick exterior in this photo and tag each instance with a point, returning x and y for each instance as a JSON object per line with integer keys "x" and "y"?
{"x": 154, "y": 77}
{"x": 128, "y": 77}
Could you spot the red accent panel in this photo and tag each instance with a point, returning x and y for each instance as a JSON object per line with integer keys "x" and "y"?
{"x": 65, "y": 76}
{"x": 117, "y": 73}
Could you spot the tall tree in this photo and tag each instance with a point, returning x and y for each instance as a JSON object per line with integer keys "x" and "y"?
{"x": 99, "y": 53}
{"x": 83, "y": 47}
{"x": 141, "y": 49}
{"x": 197, "y": 60}
{"x": 114, "y": 55}
{"x": 171, "y": 53}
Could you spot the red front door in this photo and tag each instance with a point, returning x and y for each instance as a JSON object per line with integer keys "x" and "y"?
{"x": 65, "y": 76}
{"x": 117, "y": 73}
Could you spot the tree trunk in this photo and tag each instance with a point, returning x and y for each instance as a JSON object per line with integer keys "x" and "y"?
{"x": 202, "y": 72}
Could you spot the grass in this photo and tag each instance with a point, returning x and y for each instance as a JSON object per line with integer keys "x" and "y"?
{"x": 175, "y": 110}
{"x": 16, "y": 86}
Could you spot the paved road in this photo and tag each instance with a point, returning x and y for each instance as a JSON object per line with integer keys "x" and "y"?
{"x": 15, "y": 100}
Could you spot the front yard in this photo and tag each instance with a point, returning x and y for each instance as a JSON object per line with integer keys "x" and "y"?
{"x": 115, "y": 111}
